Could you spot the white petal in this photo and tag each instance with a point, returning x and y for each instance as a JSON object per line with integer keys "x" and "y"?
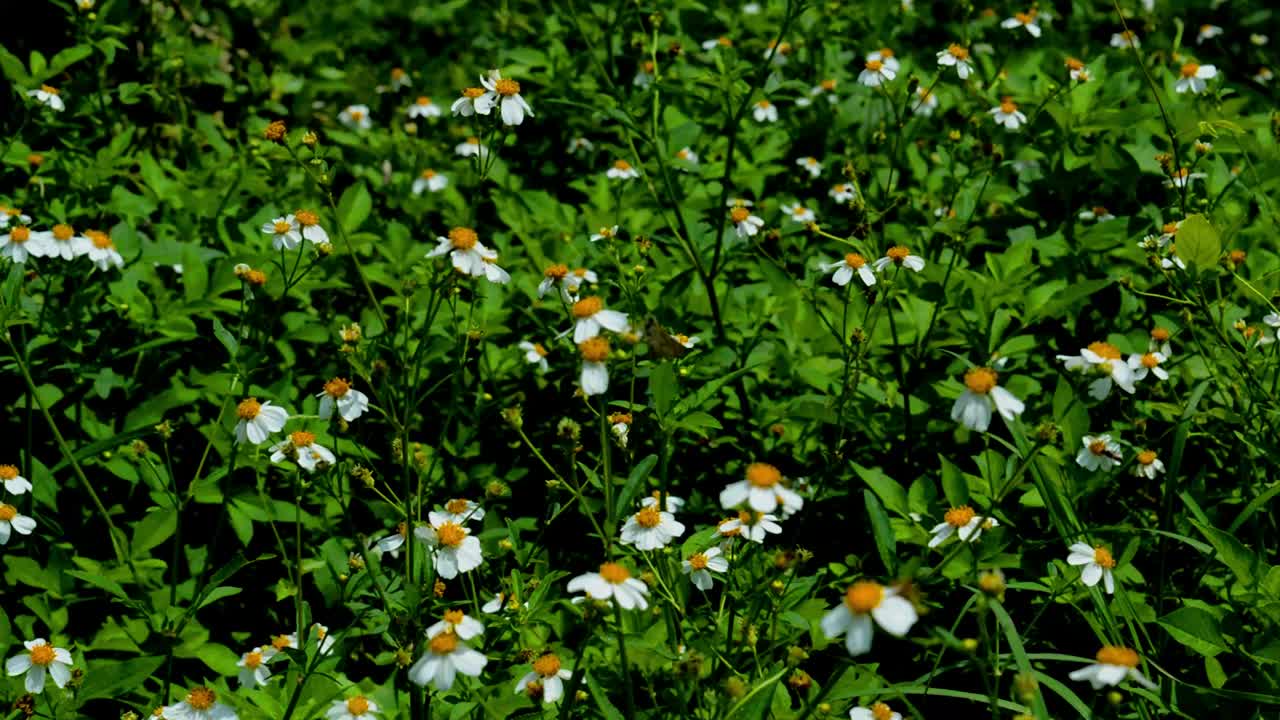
{"x": 895, "y": 614}
{"x": 858, "y": 638}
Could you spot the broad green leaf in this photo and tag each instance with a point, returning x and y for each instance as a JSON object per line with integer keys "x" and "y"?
{"x": 1196, "y": 629}
{"x": 662, "y": 387}
{"x": 882, "y": 531}
{"x": 354, "y": 207}
{"x": 1198, "y": 243}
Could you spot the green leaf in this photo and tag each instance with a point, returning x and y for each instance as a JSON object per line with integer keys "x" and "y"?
{"x": 954, "y": 486}
{"x": 153, "y": 529}
{"x": 13, "y": 68}
{"x": 1196, "y": 629}
{"x": 195, "y": 274}
{"x": 635, "y": 481}
{"x": 226, "y": 338}
{"x": 106, "y": 679}
{"x": 1019, "y": 651}
{"x": 662, "y": 387}
{"x": 67, "y": 58}
{"x": 890, "y": 492}
{"x": 1230, "y": 552}
{"x": 698, "y": 398}
{"x": 882, "y": 531}
{"x": 1198, "y": 242}
{"x": 354, "y": 207}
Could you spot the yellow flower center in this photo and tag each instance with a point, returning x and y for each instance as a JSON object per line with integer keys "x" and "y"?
{"x": 1146, "y": 457}
{"x": 201, "y": 698}
{"x": 698, "y": 561}
{"x": 444, "y": 643}
{"x": 281, "y": 642}
{"x": 763, "y": 475}
{"x": 1007, "y": 106}
{"x": 880, "y": 711}
{"x": 307, "y": 218}
{"x": 863, "y": 597}
{"x": 827, "y": 85}
{"x": 463, "y": 238}
{"x": 357, "y": 115}
{"x": 614, "y": 573}
{"x": 42, "y": 655}
{"x": 337, "y": 387}
{"x": 958, "y": 517}
{"x": 897, "y": 253}
{"x": 1116, "y": 655}
{"x": 547, "y": 665}
{"x": 20, "y": 234}
{"x": 621, "y": 165}
{"x": 473, "y": 92}
{"x": 1128, "y": 35}
{"x": 63, "y": 232}
{"x": 397, "y": 73}
{"x": 1023, "y": 18}
{"x": 980, "y": 380}
{"x": 8, "y": 472}
{"x": 424, "y": 101}
{"x": 357, "y": 705}
{"x": 248, "y": 409}
{"x": 1190, "y": 69}
{"x": 454, "y": 617}
{"x": 100, "y": 240}
{"x": 1105, "y": 350}
{"x": 1149, "y": 360}
{"x": 49, "y": 89}
{"x": 537, "y": 347}
{"x": 1074, "y": 64}
{"x": 402, "y": 529}
{"x": 739, "y": 214}
{"x": 281, "y": 227}
{"x": 874, "y": 65}
{"x": 957, "y": 52}
{"x": 556, "y": 272}
{"x": 457, "y": 506}
{"x": 1099, "y": 210}
{"x": 1098, "y": 447}
{"x": 1102, "y": 557}
{"x": 473, "y": 140}
{"x": 886, "y": 52}
{"x": 764, "y": 104}
{"x": 253, "y": 660}
{"x": 428, "y": 174}
{"x": 724, "y": 41}
{"x": 605, "y": 232}
{"x": 594, "y": 349}
{"x": 649, "y": 517}
{"x": 451, "y": 534}
{"x": 580, "y": 272}
{"x": 7, "y": 512}
{"x": 507, "y": 87}
{"x": 302, "y": 438}
{"x": 587, "y": 307}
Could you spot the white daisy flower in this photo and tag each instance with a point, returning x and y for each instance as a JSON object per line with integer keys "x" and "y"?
{"x": 751, "y": 8}
{"x": 355, "y": 117}
{"x": 605, "y": 233}
{"x": 39, "y": 660}
{"x": 201, "y": 703}
{"x": 1207, "y": 32}
{"x": 258, "y": 420}
{"x": 777, "y": 52}
{"x": 301, "y": 447}
{"x": 1097, "y": 213}
{"x": 878, "y": 711}
{"x": 12, "y": 216}
{"x": 504, "y": 93}
{"x": 1099, "y": 453}
{"x": 1097, "y": 562}
{"x": 885, "y": 56}
{"x": 1148, "y": 465}
{"x": 981, "y": 391}
{"x": 338, "y": 394}
{"x": 762, "y": 490}
{"x": 253, "y": 667}
{"x": 721, "y": 42}
{"x": 699, "y": 567}
{"x": 863, "y": 602}
{"x": 651, "y": 529}
{"x": 535, "y": 354}
{"x": 1025, "y": 20}
{"x": 810, "y": 164}
{"x": 14, "y": 483}
{"x": 875, "y": 73}
{"x": 765, "y": 111}
{"x": 458, "y": 623}
{"x": 474, "y": 101}
{"x": 461, "y": 511}
{"x": 1263, "y": 76}
{"x": 595, "y": 376}
{"x": 400, "y": 79}
{"x": 20, "y": 243}
{"x": 430, "y": 180}
{"x": 686, "y": 154}
{"x": 620, "y": 426}
{"x": 673, "y": 504}
{"x": 899, "y": 255}
{"x": 471, "y": 147}
{"x": 62, "y": 241}
{"x": 48, "y": 96}
{"x": 590, "y": 316}
{"x": 1076, "y": 68}
{"x": 424, "y": 108}
{"x": 356, "y": 707}
{"x": 853, "y": 263}
{"x": 748, "y": 525}
{"x": 961, "y": 521}
{"x": 613, "y": 581}
{"x": 1143, "y": 363}
{"x": 827, "y": 87}
{"x": 958, "y": 57}
{"x": 446, "y": 656}
{"x": 1008, "y": 114}
{"x": 393, "y": 542}
{"x": 1114, "y": 664}
{"x": 580, "y": 144}
{"x": 644, "y": 75}
{"x": 309, "y": 227}
{"x": 465, "y": 250}
{"x": 1183, "y": 177}
{"x": 1125, "y": 39}
{"x": 1103, "y": 359}
{"x": 284, "y": 232}
{"x": 546, "y": 680}
{"x": 456, "y": 550}
{"x": 799, "y": 213}
{"x": 744, "y": 223}
{"x": 842, "y": 193}
{"x": 622, "y": 170}
{"x": 102, "y": 250}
